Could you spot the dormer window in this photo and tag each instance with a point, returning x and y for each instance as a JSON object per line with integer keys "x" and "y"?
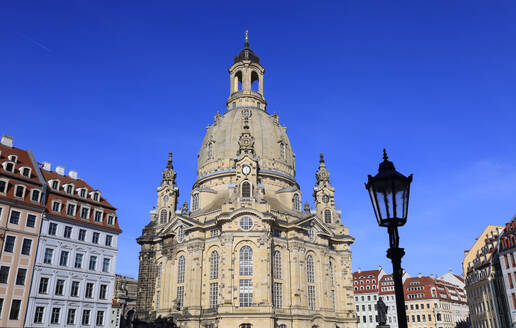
{"x": 96, "y": 196}
{"x": 85, "y": 213}
{"x": 25, "y": 171}
{"x": 111, "y": 220}
{"x": 56, "y": 206}
{"x": 13, "y": 158}
{"x": 8, "y": 166}
{"x": 19, "y": 191}
{"x": 82, "y": 193}
{"x": 35, "y": 195}
{"x": 3, "y": 186}
{"x": 98, "y": 216}
{"x": 70, "y": 209}
{"x": 69, "y": 189}
{"x": 55, "y": 184}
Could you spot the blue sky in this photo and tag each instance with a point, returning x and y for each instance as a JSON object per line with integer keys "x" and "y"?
{"x": 108, "y": 88}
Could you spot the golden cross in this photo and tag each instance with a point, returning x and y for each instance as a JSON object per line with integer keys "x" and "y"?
{"x": 246, "y": 35}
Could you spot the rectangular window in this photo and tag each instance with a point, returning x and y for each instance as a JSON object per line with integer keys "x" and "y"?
{"x": 277, "y": 295}
{"x": 85, "y": 213}
{"x": 513, "y": 301}
{"x": 70, "y": 319}
{"x": 43, "y": 285}
{"x": 78, "y": 260}
{"x": 246, "y": 292}
{"x": 60, "y": 287}
{"x": 54, "y": 319}
{"x": 111, "y": 220}
{"x": 20, "y": 277}
{"x": 67, "y": 232}
{"x": 9, "y": 244}
{"x": 89, "y": 290}
{"x": 63, "y": 260}
{"x": 31, "y": 220}
{"x": 214, "y": 292}
{"x": 4, "y": 274}
{"x": 26, "y": 246}
{"x": 3, "y": 185}
{"x": 511, "y": 286}
{"x": 103, "y": 292}
{"x": 95, "y": 238}
{"x": 180, "y": 295}
{"x": 52, "y": 229}
{"x": 311, "y": 297}
{"x": 70, "y": 210}
{"x": 83, "y": 193}
{"x": 47, "y": 259}
{"x": 15, "y": 310}
{"x": 100, "y": 318}
{"x": 93, "y": 263}
{"x": 82, "y": 234}
{"x": 109, "y": 240}
{"x": 98, "y": 216}
{"x": 512, "y": 260}
{"x": 214, "y": 232}
{"x": 56, "y": 206}
{"x": 86, "y": 317}
{"x": 105, "y": 265}
{"x": 15, "y": 217}
{"x": 75, "y": 289}
{"x": 38, "y": 314}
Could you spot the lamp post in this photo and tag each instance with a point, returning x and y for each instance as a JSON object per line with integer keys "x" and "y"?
{"x": 389, "y": 192}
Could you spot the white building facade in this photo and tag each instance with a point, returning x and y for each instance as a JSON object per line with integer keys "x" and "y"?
{"x": 74, "y": 271}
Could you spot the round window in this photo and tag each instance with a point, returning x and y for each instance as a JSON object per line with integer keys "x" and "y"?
{"x": 246, "y": 223}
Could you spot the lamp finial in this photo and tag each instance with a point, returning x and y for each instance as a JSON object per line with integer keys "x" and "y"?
{"x": 321, "y": 158}
{"x": 385, "y": 157}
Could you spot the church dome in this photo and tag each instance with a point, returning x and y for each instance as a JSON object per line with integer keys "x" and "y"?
{"x": 271, "y": 145}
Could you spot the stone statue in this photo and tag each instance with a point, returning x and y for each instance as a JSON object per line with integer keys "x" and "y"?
{"x": 382, "y": 312}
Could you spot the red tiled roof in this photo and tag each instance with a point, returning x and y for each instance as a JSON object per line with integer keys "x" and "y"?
{"x": 63, "y": 197}
{"x": 16, "y": 177}
{"x": 365, "y": 279}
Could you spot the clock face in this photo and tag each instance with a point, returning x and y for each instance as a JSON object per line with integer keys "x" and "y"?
{"x": 325, "y": 198}
{"x": 246, "y": 169}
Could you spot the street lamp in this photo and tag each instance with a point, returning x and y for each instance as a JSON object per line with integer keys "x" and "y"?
{"x": 389, "y": 192}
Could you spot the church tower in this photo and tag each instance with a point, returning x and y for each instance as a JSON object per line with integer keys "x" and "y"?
{"x": 246, "y": 254}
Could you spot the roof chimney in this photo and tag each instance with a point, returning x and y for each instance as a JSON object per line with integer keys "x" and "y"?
{"x": 60, "y": 170}
{"x": 432, "y": 276}
{"x": 7, "y": 141}
{"x": 359, "y": 270}
{"x": 73, "y": 174}
{"x": 419, "y": 275}
{"x": 47, "y": 166}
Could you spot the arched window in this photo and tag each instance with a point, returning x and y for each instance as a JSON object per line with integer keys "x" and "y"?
{"x": 214, "y": 265}
{"x": 195, "y": 202}
{"x": 246, "y": 261}
{"x": 282, "y": 151}
{"x": 246, "y": 190}
{"x": 237, "y": 82}
{"x": 327, "y": 216}
{"x": 276, "y": 265}
{"x": 163, "y": 216}
{"x": 310, "y": 269}
{"x": 210, "y": 150}
{"x": 180, "y": 234}
{"x": 255, "y": 81}
{"x": 158, "y": 278}
{"x": 181, "y": 270}
{"x": 296, "y": 203}
{"x": 330, "y": 271}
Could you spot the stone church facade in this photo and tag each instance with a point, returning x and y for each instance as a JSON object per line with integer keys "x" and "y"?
{"x": 246, "y": 253}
